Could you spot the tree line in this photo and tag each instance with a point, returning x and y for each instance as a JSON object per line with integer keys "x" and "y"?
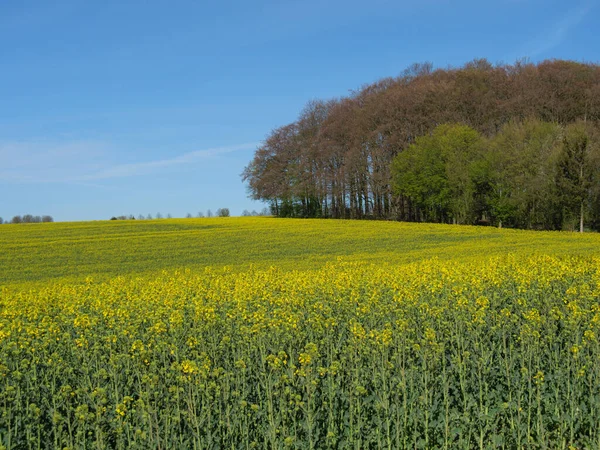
{"x": 28, "y": 218}
{"x": 532, "y": 174}
{"x": 508, "y": 145}
{"x": 220, "y": 212}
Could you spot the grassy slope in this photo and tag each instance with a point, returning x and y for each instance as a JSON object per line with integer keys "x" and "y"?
{"x": 40, "y": 252}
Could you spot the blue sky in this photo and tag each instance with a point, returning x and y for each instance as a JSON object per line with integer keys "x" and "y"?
{"x": 137, "y": 107}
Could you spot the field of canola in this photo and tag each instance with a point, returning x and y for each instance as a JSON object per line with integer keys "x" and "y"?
{"x": 267, "y": 333}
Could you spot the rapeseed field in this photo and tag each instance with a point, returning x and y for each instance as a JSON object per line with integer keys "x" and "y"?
{"x": 34, "y": 253}
{"x": 300, "y": 334}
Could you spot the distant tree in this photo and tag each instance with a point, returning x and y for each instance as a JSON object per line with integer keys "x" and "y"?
{"x": 27, "y": 218}
{"x": 149, "y": 217}
{"x": 158, "y": 215}
{"x": 200, "y": 214}
{"x": 209, "y": 213}
{"x": 264, "y": 211}
{"x": 17, "y": 219}
{"x": 169, "y": 216}
{"x": 141, "y": 217}
{"x": 246, "y": 213}
{"x": 1, "y": 220}
{"x": 113, "y": 218}
{"x": 188, "y": 216}
{"x": 47, "y": 219}
{"x": 223, "y": 212}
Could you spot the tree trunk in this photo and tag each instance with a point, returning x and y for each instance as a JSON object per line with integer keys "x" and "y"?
{"x": 581, "y": 218}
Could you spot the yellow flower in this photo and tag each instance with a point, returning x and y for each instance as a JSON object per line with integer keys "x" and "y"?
{"x": 189, "y": 367}
{"x": 304, "y": 359}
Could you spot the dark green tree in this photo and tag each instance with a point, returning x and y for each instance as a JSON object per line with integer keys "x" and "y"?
{"x": 575, "y": 174}
{"x": 436, "y": 173}
{"x": 521, "y": 158}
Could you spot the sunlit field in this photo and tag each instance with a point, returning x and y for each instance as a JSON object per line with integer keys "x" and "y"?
{"x": 41, "y": 252}
{"x": 273, "y": 333}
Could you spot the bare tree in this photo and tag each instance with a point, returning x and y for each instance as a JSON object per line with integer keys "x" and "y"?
{"x": 47, "y": 219}
{"x": 188, "y": 216}
{"x": 17, "y": 219}
{"x": 209, "y": 213}
{"x": 200, "y": 214}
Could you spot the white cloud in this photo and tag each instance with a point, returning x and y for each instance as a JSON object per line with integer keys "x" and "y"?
{"x": 81, "y": 162}
{"x": 49, "y": 161}
{"x": 147, "y": 167}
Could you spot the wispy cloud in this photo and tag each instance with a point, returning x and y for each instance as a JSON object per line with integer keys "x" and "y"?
{"x": 85, "y": 162}
{"x": 541, "y": 45}
{"x": 148, "y": 167}
{"x": 42, "y": 161}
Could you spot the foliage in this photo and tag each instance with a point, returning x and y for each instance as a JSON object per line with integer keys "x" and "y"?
{"x": 522, "y": 160}
{"x": 436, "y": 173}
{"x": 531, "y": 174}
{"x": 575, "y": 172}
{"x": 336, "y": 159}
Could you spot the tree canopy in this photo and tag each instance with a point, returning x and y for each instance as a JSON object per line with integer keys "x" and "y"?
{"x": 478, "y": 144}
